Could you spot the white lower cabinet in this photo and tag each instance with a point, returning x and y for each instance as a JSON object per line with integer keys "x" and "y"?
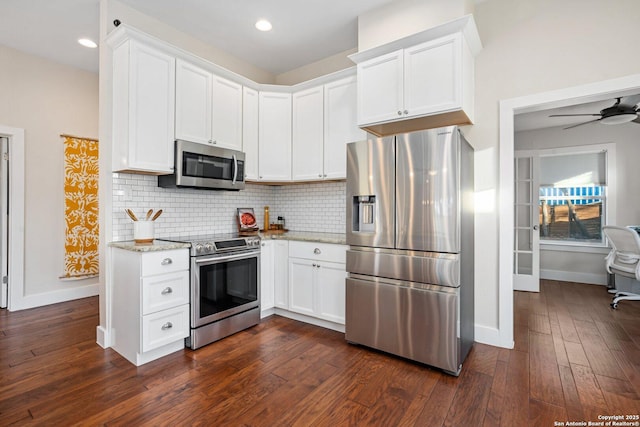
{"x": 267, "y": 291}
{"x": 317, "y": 274}
{"x": 302, "y": 286}
{"x": 281, "y": 273}
{"x": 150, "y": 303}
{"x": 273, "y": 276}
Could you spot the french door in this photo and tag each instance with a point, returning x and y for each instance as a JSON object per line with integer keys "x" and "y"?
{"x": 526, "y": 249}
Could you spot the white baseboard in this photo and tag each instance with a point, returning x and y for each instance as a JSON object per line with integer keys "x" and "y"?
{"x": 102, "y": 337}
{"x": 490, "y": 336}
{"x": 54, "y": 297}
{"x": 267, "y": 312}
{"x": 311, "y": 320}
{"x": 573, "y": 276}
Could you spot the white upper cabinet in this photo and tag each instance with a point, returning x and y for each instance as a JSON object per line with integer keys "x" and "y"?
{"x": 442, "y": 90}
{"x": 143, "y": 109}
{"x": 324, "y": 121}
{"x": 208, "y": 107}
{"x": 413, "y": 82}
{"x": 422, "y": 81}
{"x": 380, "y": 96}
{"x": 193, "y": 103}
{"x": 340, "y": 125}
{"x": 250, "y": 132}
{"x": 308, "y": 134}
{"x": 274, "y": 136}
{"x": 227, "y": 113}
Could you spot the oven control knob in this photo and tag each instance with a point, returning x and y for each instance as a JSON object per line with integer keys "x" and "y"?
{"x": 198, "y": 248}
{"x": 208, "y": 247}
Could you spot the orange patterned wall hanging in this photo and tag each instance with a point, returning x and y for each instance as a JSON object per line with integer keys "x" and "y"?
{"x": 81, "y": 207}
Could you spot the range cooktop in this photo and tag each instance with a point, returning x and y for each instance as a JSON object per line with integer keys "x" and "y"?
{"x": 207, "y": 244}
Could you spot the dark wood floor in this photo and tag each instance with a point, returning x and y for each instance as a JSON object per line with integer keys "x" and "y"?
{"x": 574, "y": 359}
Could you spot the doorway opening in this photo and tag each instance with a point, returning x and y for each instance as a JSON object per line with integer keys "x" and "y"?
{"x": 12, "y": 185}
{"x": 4, "y": 221}
{"x": 508, "y": 110}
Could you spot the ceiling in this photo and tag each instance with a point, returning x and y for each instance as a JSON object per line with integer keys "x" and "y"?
{"x": 303, "y": 31}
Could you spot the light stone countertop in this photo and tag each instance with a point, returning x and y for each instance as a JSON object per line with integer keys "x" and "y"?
{"x": 308, "y": 236}
{"x": 156, "y": 245}
{"x": 165, "y": 245}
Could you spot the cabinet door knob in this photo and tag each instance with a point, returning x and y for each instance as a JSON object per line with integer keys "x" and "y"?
{"x": 317, "y": 251}
{"x": 167, "y": 291}
{"x": 399, "y": 112}
{"x": 406, "y": 112}
{"x": 166, "y": 261}
{"x": 166, "y": 326}
{"x": 319, "y": 175}
{"x": 325, "y": 175}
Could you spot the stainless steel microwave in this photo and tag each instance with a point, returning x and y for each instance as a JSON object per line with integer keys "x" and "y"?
{"x": 205, "y": 166}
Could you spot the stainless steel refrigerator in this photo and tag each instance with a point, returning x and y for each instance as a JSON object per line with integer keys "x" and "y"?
{"x": 410, "y": 218}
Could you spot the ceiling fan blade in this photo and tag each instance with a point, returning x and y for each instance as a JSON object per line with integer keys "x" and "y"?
{"x": 580, "y": 124}
{"x": 571, "y": 115}
{"x": 630, "y": 101}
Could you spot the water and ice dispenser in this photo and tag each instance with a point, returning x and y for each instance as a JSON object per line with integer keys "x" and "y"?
{"x": 364, "y": 213}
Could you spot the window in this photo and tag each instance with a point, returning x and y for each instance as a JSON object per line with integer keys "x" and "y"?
{"x": 573, "y": 197}
{"x": 572, "y": 213}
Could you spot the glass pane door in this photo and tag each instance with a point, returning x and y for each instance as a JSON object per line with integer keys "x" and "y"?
{"x": 526, "y": 253}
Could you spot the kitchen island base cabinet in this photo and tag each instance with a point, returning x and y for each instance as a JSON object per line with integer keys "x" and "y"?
{"x": 150, "y": 303}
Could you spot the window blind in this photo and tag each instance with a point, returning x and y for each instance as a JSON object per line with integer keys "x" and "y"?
{"x": 570, "y": 170}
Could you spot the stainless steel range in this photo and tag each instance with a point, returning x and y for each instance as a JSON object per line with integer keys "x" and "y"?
{"x": 225, "y": 286}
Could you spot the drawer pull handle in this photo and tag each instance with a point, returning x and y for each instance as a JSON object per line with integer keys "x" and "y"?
{"x": 166, "y": 291}
{"x": 166, "y": 326}
{"x": 317, "y": 251}
{"x": 166, "y": 261}
{"x": 313, "y": 265}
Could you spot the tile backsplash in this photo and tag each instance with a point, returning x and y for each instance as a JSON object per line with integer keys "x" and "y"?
{"x": 316, "y": 207}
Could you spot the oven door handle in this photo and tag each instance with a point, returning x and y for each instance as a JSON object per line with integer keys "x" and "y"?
{"x": 235, "y": 170}
{"x": 223, "y": 258}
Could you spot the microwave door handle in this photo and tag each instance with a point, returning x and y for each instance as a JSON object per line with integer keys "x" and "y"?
{"x": 235, "y": 169}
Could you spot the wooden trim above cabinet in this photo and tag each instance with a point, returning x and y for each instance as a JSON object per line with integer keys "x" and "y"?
{"x": 451, "y": 118}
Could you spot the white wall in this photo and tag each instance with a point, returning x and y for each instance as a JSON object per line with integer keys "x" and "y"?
{"x": 580, "y": 266}
{"x": 46, "y": 99}
{"x": 405, "y": 17}
{"x": 117, "y": 10}
{"x": 529, "y": 47}
{"x": 337, "y": 62}
{"x": 533, "y": 47}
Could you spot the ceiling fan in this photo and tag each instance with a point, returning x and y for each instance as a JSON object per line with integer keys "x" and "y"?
{"x": 620, "y": 112}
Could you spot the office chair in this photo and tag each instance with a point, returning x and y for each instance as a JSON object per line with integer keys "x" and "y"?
{"x": 624, "y": 258}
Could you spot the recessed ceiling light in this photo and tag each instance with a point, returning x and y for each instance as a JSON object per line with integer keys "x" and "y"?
{"x": 263, "y": 25}
{"x": 88, "y": 43}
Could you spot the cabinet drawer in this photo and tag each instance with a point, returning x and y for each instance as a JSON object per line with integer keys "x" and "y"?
{"x": 318, "y": 251}
{"x": 165, "y": 327}
{"x": 165, "y": 291}
{"x": 164, "y": 261}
